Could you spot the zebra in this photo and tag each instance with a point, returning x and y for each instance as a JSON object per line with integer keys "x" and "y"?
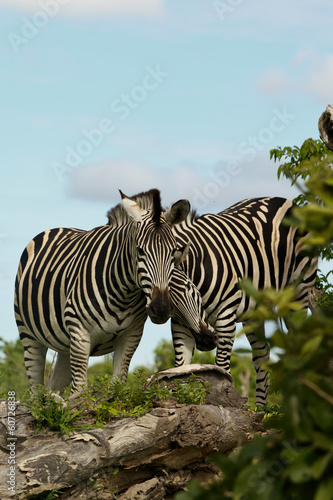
{"x": 88, "y": 293}
{"x": 247, "y": 240}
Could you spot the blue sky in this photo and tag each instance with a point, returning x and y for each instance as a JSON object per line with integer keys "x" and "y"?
{"x": 188, "y": 97}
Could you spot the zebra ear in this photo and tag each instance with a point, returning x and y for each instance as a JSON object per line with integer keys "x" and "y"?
{"x": 178, "y": 212}
{"x": 132, "y": 209}
{"x": 181, "y": 254}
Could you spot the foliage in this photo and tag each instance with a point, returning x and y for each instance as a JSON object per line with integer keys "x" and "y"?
{"x": 104, "y": 367}
{"x": 109, "y": 399}
{"x": 302, "y": 163}
{"x": 297, "y": 462}
{"x": 136, "y": 397}
{"x": 324, "y": 290}
{"x": 241, "y": 366}
{"x": 48, "y": 411}
{"x": 311, "y": 164}
{"x": 191, "y": 392}
{"x": 243, "y": 374}
{"x": 294, "y": 460}
{"x": 139, "y": 373}
{"x": 165, "y": 356}
{"x": 13, "y": 376}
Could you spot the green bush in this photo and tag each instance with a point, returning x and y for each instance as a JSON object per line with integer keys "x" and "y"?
{"x": 295, "y": 459}
{"x": 107, "y": 399}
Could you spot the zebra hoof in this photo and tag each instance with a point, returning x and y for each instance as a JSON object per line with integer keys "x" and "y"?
{"x": 57, "y": 399}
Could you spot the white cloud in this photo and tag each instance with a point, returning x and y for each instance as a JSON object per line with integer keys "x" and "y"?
{"x": 167, "y": 150}
{"x": 88, "y": 8}
{"x": 211, "y": 190}
{"x": 304, "y": 56}
{"x": 273, "y": 81}
{"x": 320, "y": 80}
{"x": 308, "y": 73}
{"x": 102, "y": 180}
{"x": 283, "y": 21}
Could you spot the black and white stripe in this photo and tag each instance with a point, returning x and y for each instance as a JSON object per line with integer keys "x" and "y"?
{"x": 248, "y": 240}
{"x": 88, "y": 293}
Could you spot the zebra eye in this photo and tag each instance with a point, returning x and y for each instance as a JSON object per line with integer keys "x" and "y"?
{"x": 140, "y": 251}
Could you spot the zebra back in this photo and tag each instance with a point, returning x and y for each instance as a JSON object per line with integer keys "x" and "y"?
{"x": 248, "y": 240}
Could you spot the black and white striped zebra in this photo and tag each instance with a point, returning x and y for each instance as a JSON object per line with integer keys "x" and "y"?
{"x": 88, "y": 293}
{"x": 248, "y": 240}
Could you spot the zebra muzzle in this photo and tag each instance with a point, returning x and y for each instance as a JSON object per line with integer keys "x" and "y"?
{"x": 160, "y": 307}
{"x": 206, "y": 339}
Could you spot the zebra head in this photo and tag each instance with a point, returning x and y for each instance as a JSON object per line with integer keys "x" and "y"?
{"x": 156, "y": 250}
{"x": 190, "y": 312}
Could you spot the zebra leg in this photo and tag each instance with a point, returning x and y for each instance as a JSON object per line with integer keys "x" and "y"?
{"x": 80, "y": 348}
{"x": 260, "y": 354}
{"x": 307, "y": 270}
{"x": 183, "y": 343}
{"x": 61, "y": 375}
{"x": 124, "y": 348}
{"x": 34, "y": 360}
{"x": 226, "y": 329}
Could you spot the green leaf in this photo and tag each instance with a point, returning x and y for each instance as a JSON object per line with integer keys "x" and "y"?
{"x": 300, "y": 472}
{"x": 247, "y": 286}
{"x": 323, "y": 441}
{"x": 325, "y": 490}
{"x": 311, "y": 345}
{"x": 279, "y": 339}
{"x": 320, "y": 465}
{"x": 113, "y": 411}
{"x": 252, "y": 482}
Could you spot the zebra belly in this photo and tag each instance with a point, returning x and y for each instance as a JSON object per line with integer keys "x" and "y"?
{"x": 132, "y": 326}
{"x": 104, "y": 331}
{"x": 102, "y": 340}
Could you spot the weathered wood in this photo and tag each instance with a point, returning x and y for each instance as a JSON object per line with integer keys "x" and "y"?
{"x": 325, "y": 126}
{"x": 149, "y": 457}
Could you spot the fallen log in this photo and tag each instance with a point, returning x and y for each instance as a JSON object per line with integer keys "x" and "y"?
{"x": 150, "y": 457}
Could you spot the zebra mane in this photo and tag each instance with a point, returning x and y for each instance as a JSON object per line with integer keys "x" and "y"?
{"x": 147, "y": 200}
{"x": 192, "y": 216}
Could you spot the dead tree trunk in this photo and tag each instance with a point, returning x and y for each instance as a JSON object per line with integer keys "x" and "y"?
{"x": 150, "y": 457}
{"x": 325, "y": 126}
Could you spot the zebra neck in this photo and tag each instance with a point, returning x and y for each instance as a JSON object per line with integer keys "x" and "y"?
{"x": 121, "y": 263}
